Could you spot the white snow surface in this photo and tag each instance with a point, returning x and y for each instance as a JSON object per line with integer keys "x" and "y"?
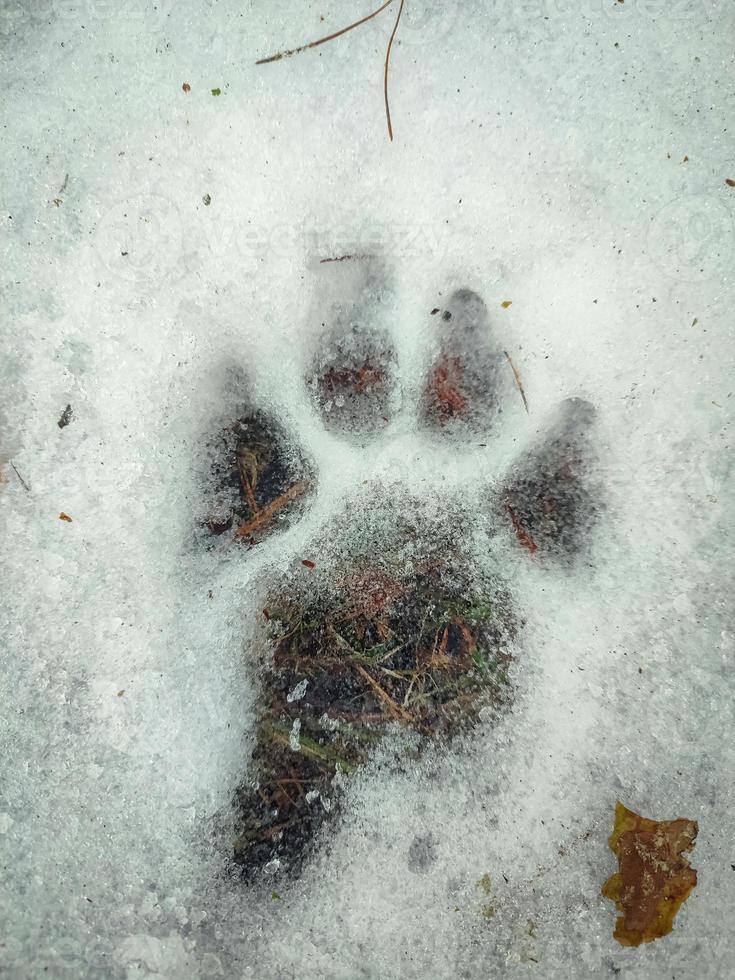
{"x": 569, "y": 156}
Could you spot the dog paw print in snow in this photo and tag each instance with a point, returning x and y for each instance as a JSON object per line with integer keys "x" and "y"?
{"x": 392, "y": 633}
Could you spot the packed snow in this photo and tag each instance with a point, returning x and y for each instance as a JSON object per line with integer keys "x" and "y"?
{"x": 161, "y": 250}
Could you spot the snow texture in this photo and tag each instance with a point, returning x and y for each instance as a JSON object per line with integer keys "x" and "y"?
{"x": 570, "y": 157}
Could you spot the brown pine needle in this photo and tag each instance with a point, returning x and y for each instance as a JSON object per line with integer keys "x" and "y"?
{"x": 343, "y": 258}
{"x": 323, "y": 40}
{"x": 266, "y": 513}
{"x": 519, "y": 383}
{"x": 248, "y": 480}
{"x": 387, "y": 65}
{"x": 522, "y": 534}
{"x": 395, "y": 709}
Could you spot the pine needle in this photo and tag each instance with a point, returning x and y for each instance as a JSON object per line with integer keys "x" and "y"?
{"x": 517, "y": 377}
{"x": 264, "y": 515}
{"x": 22, "y": 481}
{"x": 387, "y": 65}
{"x": 330, "y": 37}
{"x": 247, "y": 460}
{"x": 395, "y": 709}
{"x": 522, "y": 534}
{"x": 344, "y": 258}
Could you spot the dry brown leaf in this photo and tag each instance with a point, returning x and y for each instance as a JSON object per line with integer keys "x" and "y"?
{"x": 654, "y": 877}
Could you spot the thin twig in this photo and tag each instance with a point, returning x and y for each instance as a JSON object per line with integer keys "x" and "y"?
{"x": 387, "y": 65}
{"x": 23, "y": 482}
{"x": 264, "y": 515}
{"x": 395, "y": 709}
{"x": 517, "y": 376}
{"x": 323, "y": 40}
{"x": 285, "y": 792}
{"x": 343, "y": 258}
{"x": 521, "y": 533}
{"x": 408, "y": 692}
{"x": 248, "y": 482}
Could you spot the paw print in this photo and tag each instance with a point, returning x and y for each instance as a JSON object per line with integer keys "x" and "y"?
{"x": 392, "y": 634}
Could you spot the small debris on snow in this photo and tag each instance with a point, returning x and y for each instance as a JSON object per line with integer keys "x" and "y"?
{"x": 654, "y": 877}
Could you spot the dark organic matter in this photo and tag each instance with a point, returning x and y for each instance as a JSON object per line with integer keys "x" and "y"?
{"x": 550, "y": 502}
{"x": 261, "y": 478}
{"x": 386, "y": 647}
